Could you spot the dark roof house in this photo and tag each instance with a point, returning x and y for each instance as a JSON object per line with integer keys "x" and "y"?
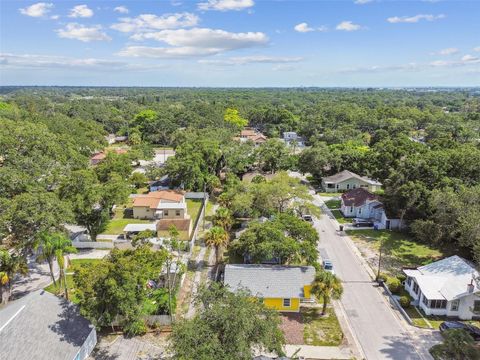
{"x": 42, "y": 326}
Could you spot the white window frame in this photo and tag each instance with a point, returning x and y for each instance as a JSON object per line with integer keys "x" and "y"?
{"x": 455, "y": 305}
{"x": 287, "y": 302}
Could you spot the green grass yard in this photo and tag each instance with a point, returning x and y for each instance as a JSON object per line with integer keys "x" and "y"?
{"x": 321, "y": 330}
{"x": 56, "y": 290}
{"x": 116, "y": 226}
{"x": 340, "y": 218}
{"x": 400, "y": 249}
{"x": 333, "y": 204}
{"x": 76, "y": 263}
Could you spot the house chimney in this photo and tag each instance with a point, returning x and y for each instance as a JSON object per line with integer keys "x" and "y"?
{"x": 470, "y": 287}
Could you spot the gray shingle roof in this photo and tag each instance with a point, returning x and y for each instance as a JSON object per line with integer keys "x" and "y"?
{"x": 269, "y": 281}
{"x": 42, "y": 326}
{"x": 345, "y": 175}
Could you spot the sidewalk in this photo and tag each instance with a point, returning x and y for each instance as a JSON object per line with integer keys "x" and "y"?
{"x": 318, "y": 352}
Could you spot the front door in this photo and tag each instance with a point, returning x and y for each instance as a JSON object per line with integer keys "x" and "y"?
{"x": 387, "y": 224}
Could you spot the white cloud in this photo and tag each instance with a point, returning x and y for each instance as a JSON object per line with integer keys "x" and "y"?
{"x": 465, "y": 61}
{"x": 34, "y": 61}
{"x": 193, "y": 42}
{"x": 348, "y": 26}
{"x": 362, "y": 2}
{"x": 81, "y": 11}
{"x": 225, "y": 5}
{"x": 244, "y": 60}
{"x": 37, "y": 10}
{"x": 477, "y": 48}
{"x": 414, "y": 19}
{"x": 55, "y": 17}
{"x": 148, "y": 22}
{"x": 469, "y": 58}
{"x": 448, "y": 51}
{"x": 303, "y": 28}
{"x": 121, "y": 9}
{"x": 82, "y": 33}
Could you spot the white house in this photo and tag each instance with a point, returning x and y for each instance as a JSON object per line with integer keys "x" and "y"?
{"x": 347, "y": 180}
{"x": 446, "y": 288}
{"x": 289, "y": 136}
{"x": 360, "y": 203}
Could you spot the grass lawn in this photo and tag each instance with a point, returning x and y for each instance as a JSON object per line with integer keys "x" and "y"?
{"x": 70, "y": 286}
{"x": 321, "y": 331}
{"x": 332, "y": 194}
{"x": 434, "y": 321}
{"x": 115, "y": 226}
{"x": 76, "y": 263}
{"x": 193, "y": 208}
{"x": 333, "y": 204}
{"x": 340, "y": 218}
{"x": 400, "y": 249}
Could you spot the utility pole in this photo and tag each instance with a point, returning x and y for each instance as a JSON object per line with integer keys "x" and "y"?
{"x": 379, "y": 259}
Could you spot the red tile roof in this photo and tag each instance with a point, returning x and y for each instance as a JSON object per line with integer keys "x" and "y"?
{"x": 357, "y": 197}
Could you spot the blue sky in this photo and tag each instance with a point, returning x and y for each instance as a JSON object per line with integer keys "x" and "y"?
{"x": 240, "y": 43}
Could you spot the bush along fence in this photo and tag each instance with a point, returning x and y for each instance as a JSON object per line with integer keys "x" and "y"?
{"x": 395, "y": 303}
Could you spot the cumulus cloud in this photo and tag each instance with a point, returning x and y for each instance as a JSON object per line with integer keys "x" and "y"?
{"x": 82, "y": 32}
{"x": 225, "y": 5}
{"x": 448, "y": 51}
{"x": 244, "y": 60}
{"x": 37, "y": 10}
{"x": 193, "y": 42}
{"x": 303, "y": 28}
{"x": 148, "y": 22}
{"x": 81, "y": 11}
{"x": 121, "y": 9}
{"x": 348, "y": 26}
{"x": 414, "y": 19}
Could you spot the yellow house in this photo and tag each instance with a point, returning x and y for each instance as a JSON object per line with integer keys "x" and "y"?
{"x": 280, "y": 287}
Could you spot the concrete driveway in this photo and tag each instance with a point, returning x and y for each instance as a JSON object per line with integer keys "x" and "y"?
{"x": 38, "y": 277}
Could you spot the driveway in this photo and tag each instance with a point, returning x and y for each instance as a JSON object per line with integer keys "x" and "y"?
{"x": 122, "y": 348}
{"x": 38, "y": 277}
{"x": 381, "y": 333}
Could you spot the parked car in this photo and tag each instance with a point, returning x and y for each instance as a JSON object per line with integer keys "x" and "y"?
{"x": 472, "y": 330}
{"x": 328, "y": 266}
{"x": 307, "y": 218}
{"x": 362, "y": 222}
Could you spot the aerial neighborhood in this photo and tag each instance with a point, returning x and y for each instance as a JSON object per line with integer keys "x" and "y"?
{"x": 240, "y": 180}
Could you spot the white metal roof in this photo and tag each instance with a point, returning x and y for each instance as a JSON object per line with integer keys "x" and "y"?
{"x": 445, "y": 279}
{"x": 140, "y": 227}
{"x": 269, "y": 281}
{"x": 171, "y": 205}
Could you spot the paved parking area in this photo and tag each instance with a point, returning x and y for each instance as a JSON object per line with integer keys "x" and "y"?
{"x": 122, "y": 348}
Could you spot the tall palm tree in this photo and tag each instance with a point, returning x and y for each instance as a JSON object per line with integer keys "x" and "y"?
{"x": 62, "y": 246}
{"x": 10, "y": 264}
{"x": 217, "y": 238}
{"x": 326, "y": 286}
{"x": 223, "y": 218}
{"x": 47, "y": 247}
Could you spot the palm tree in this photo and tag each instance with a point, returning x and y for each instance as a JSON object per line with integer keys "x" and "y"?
{"x": 326, "y": 286}
{"x": 10, "y": 264}
{"x": 217, "y": 238}
{"x": 223, "y": 218}
{"x": 62, "y": 246}
{"x": 47, "y": 245}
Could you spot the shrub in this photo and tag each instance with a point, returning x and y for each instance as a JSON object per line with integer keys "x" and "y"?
{"x": 405, "y": 301}
{"x": 402, "y": 277}
{"x": 383, "y": 277}
{"x": 135, "y": 328}
{"x": 394, "y": 285}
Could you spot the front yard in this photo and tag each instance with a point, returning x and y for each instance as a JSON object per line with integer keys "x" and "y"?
{"x": 334, "y": 206}
{"x": 399, "y": 250}
{"x": 116, "y": 226}
{"x": 425, "y": 321}
{"x": 310, "y": 328}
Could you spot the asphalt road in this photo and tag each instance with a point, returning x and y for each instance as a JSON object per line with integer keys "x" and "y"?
{"x": 380, "y": 333}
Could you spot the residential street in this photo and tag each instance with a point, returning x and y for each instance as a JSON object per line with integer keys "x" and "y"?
{"x": 381, "y": 334}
